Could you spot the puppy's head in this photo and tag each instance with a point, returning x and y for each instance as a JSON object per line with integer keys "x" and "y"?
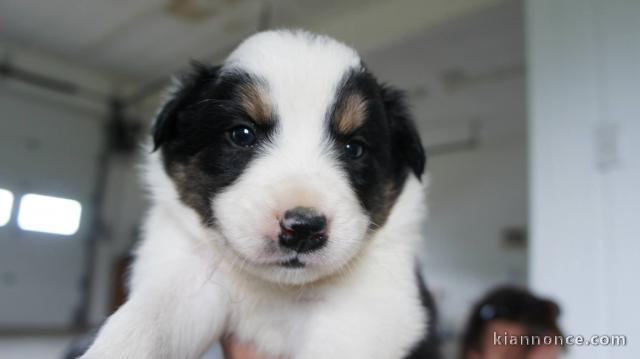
{"x": 291, "y": 151}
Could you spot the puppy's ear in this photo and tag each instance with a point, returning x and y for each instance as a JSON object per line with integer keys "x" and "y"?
{"x": 165, "y": 127}
{"x": 165, "y": 124}
{"x": 405, "y": 139}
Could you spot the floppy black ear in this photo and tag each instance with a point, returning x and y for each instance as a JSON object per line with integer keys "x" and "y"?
{"x": 404, "y": 135}
{"x": 165, "y": 126}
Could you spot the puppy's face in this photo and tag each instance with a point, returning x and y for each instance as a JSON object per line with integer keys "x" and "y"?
{"x": 291, "y": 151}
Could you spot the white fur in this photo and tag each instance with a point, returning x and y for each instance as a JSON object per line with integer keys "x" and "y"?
{"x": 190, "y": 285}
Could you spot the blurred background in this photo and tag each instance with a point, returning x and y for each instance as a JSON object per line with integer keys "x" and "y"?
{"x": 529, "y": 111}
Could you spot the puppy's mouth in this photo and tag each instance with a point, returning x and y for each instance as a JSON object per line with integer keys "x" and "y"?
{"x": 292, "y": 263}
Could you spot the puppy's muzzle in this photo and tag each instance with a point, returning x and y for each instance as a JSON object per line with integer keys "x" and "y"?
{"x": 303, "y": 230}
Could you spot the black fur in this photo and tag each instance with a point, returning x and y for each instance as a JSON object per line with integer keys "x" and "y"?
{"x": 392, "y": 144}
{"x": 406, "y": 140}
{"x": 192, "y": 131}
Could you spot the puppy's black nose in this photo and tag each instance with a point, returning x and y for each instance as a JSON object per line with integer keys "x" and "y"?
{"x": 303, "y": 229}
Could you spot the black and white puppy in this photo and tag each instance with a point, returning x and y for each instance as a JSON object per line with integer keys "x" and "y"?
{"x": 287, "y": 207}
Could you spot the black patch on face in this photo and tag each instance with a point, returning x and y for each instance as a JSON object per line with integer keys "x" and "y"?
{"x": 392, "y": 146}
{"x": 193, "y": 131}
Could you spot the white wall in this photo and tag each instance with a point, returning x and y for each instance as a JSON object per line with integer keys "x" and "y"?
{"x": 474, "y": 196}
{"x": 584, "y": 61}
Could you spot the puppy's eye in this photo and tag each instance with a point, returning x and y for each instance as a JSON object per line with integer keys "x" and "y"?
{"x": 354, "y": 149}
{"x": 242, "y": 136}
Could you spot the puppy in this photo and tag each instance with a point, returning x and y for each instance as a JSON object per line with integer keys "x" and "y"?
{"x": 287, "y": 206}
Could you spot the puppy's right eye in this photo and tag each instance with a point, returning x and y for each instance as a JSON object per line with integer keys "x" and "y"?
{"x": 354, "y": 149}
{"x": 242, "y": 136}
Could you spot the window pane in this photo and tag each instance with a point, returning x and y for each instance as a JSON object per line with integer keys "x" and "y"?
{"x": 49, "y": 214}
{"x": 6, "y": 204}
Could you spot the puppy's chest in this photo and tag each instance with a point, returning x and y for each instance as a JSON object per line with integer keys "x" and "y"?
{"x": 341, "y": 324}
{"x": 278, "y": 324}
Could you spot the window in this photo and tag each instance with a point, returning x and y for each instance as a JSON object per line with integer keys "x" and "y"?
{"x": 6, "y": 204}
{"x": 49, "y": 214}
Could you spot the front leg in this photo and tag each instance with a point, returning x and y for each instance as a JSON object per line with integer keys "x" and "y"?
{"x": 177, "y": 318}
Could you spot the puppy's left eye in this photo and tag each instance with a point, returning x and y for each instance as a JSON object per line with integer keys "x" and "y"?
{"x": 354, "y": 149}
{"x": 242, "y": 136}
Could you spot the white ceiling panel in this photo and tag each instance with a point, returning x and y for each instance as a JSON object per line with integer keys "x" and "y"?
{"x": 143, "y": 39}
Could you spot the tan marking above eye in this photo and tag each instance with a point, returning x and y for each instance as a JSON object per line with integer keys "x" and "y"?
{"x": 351, "y": 113}
{"x": 256, "y": 103}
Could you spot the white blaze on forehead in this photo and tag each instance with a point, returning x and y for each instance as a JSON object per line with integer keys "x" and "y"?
{"x": 302, "y": 72}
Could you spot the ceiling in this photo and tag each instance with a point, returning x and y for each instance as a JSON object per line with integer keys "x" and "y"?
{"x": 462, "y": 61}
{"x": 467, "y": 72}
{"x": 144, "y": 39}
